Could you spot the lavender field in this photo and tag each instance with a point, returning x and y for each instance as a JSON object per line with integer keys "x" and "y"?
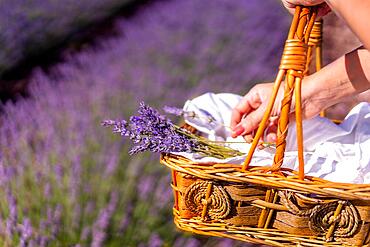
{"x": 67, "y": 181}
{"x": 26, "y": 27}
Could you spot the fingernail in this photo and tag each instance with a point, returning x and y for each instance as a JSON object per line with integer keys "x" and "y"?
{"x": 248, "y": 139}
{"x": 238, "y": 130}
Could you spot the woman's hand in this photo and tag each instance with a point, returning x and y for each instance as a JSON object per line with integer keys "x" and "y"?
{"x": 347, "y": 77}
{"x": 290, "y": 5}
{"x": 247, "y": 115}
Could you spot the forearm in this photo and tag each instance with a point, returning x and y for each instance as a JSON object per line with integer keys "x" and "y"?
{"x": 346, "y": 77}
{"x": 356, "y": 13}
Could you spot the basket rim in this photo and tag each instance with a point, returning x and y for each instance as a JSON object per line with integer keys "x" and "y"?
{"x": 289, "y": 180}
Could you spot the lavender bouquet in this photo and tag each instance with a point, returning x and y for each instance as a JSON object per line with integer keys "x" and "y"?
{"x": 156, "y": 133}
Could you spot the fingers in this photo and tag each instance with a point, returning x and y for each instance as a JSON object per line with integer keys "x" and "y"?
{"x": 323, "y": 8}
{"x": 240, "y": 110}
{"x": 270, "y": 134}
{"x": 289, "y": 6}
{"x": 248, "y": 138}
{"x": 245, "y": 106}
{"x": 303, "y": 2}
{"x": 249, "y": 123}
{"x": 237, "y": 131}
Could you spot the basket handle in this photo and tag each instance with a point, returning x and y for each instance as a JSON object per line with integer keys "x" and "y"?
{"x": 293, "y": 66}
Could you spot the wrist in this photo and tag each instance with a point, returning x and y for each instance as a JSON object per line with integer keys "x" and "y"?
{"x": 312, "y": 97}
{"x": 344, "y": 78}
{"x": 319, "y": 93}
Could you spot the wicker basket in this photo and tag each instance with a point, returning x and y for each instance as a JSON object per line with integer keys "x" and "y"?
{"x": 273, "y": 205}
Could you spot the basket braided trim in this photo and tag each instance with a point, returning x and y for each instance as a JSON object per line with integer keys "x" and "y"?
{"x": 271, "y": 237}
{"x": 217, "y": 205}
{"x": 322, "y": 216}
{"x": 288, "y": 181}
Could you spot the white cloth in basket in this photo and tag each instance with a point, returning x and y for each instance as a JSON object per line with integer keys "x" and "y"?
{"x": 340, "y": 153}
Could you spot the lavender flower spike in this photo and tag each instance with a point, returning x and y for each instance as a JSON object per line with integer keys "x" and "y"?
{"x": 173, "y": 110}
{"x": 26, "y": 232}
{"x": 150, "y": 131}
{"x": 180, "y": 112}
{"x": 118, "y": 126}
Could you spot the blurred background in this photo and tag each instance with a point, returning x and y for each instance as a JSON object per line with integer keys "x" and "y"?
{"x": 67, "y": 65}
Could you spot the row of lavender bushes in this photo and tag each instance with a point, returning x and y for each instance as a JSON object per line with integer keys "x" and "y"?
{"x": 65, "y": 180}
{"x": 26, "y": 27}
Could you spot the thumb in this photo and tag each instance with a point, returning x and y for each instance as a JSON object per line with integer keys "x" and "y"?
{"x": 249, "y": 123}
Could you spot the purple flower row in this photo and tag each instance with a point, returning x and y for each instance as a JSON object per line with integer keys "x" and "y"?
{"x": 30, "y": 26}
{"x": 67, "y": 182}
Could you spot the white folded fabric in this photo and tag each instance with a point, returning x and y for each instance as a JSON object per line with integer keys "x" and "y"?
{"x": 340, "y": 153}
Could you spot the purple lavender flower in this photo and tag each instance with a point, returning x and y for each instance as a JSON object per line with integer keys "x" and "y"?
{"x": 145, "y": 186}
{"x": 43, "y": 241}
{"x": 126, "y": 218}
{"x": 26, "y": 232}
{"x": 163, "y": 193}
{"x": 155, "y": 241}
{"x": 173, "y": 110}
{"x": 11, "y": 222}
{"x": 151, "y": 131}
{"x": 58, "y": 169}
{"x": 188, "y": 242}
{"x": 86, "y": 231}
{"x": 99, "y": 231}
{"x": 180, "y": 112}
{"x": 118, "y": 126}
{"x": 56, "y": 221}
